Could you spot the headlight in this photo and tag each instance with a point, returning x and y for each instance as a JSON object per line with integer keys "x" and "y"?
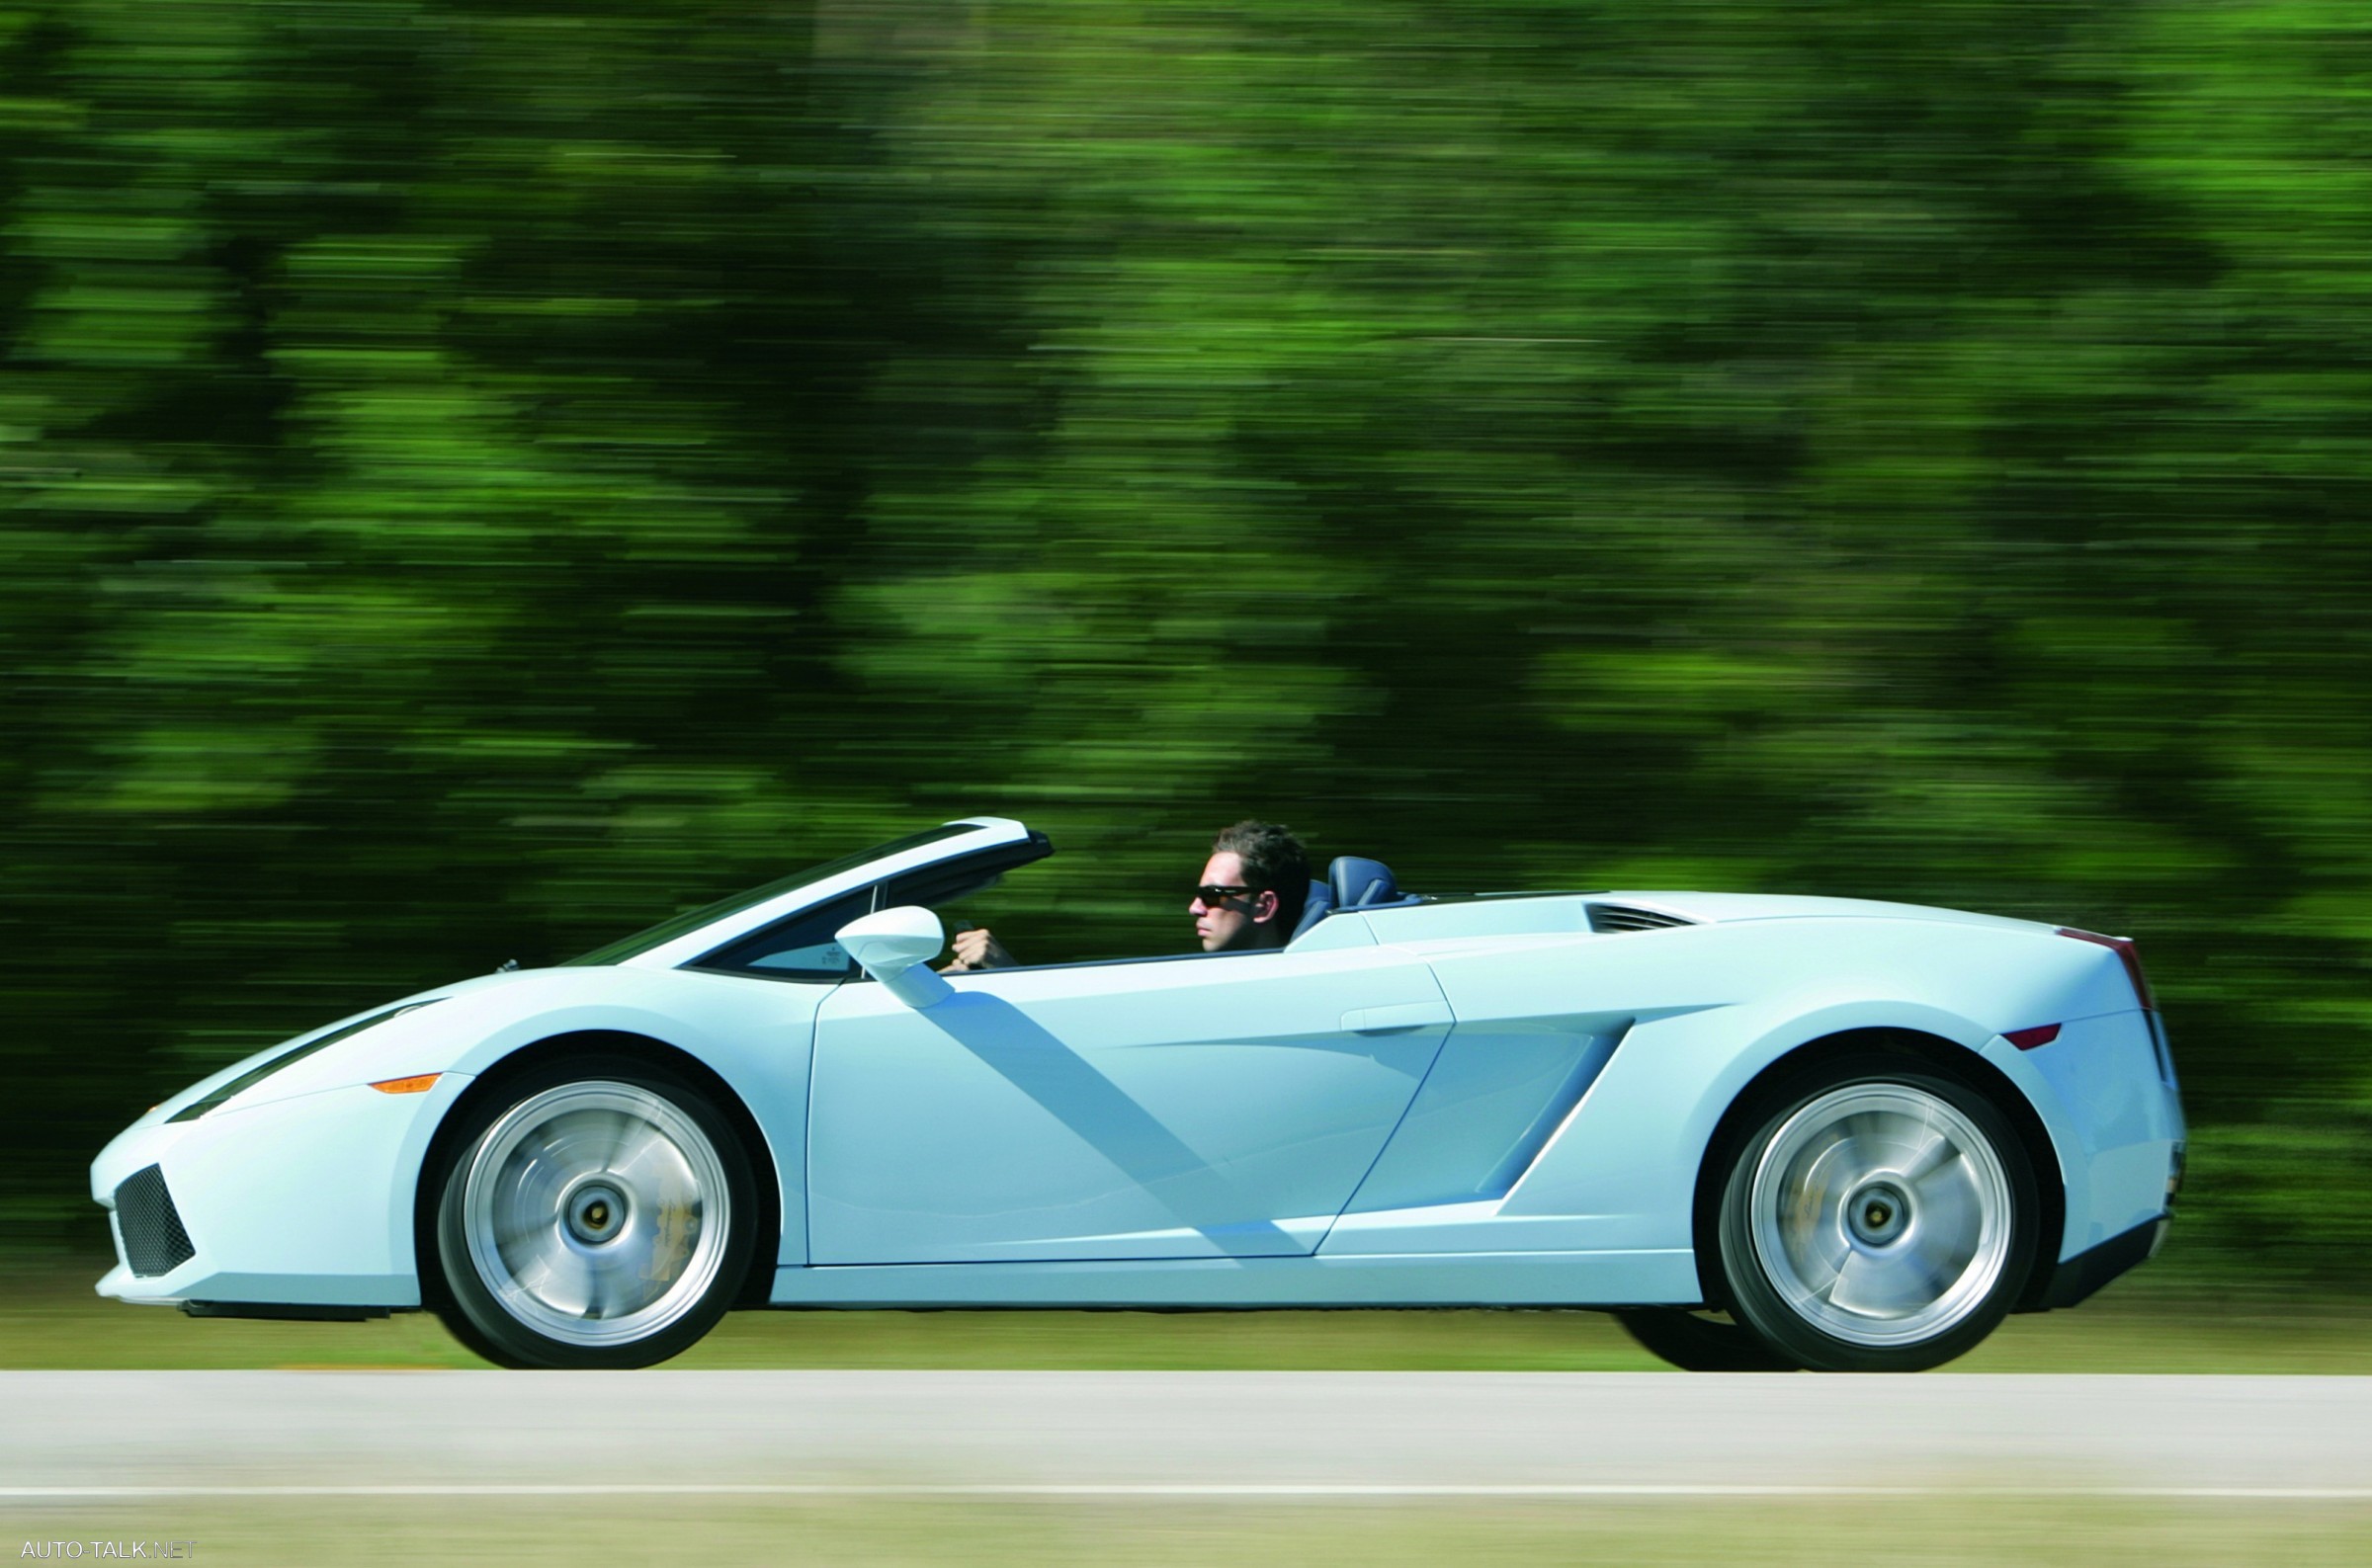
{"x": 256, "y": 1075}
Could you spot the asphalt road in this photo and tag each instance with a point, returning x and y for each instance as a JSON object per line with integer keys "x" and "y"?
{"x": 128, "y": 1435}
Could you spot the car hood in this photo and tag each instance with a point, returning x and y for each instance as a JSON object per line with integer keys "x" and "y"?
{"x": 347, "y": 1057}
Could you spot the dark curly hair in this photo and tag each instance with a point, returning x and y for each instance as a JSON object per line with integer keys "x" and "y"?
{"x": 1274, "y": 861}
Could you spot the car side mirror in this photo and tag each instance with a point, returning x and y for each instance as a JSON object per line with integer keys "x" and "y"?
{"x": 895, "y": 946}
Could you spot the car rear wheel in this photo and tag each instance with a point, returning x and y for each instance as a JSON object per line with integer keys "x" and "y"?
{"x": 594, "y": 1214}
{"x": 1880, "y": 1218}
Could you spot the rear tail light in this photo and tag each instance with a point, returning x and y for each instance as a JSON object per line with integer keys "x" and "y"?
{"x": 2127, "y": 954}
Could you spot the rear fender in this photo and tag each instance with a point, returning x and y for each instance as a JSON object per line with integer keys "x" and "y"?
{"x": 1631, "y": 1155}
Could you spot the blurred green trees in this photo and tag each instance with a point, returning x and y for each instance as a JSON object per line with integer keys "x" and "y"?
{"x": 480, "y": 476}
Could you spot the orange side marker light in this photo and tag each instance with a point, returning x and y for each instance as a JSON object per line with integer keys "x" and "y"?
{"x": 419, "y": 1084}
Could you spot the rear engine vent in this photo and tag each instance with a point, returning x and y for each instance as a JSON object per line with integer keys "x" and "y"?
{"x": 153, "y": 1241}
{"x": 1607, "y": 919}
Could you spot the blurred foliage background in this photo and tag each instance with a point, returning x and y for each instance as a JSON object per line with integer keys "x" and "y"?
{"x": 480, "y": 476}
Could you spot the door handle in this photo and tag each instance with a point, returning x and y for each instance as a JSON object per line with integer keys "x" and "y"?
{"x": 1397, "y": 1020}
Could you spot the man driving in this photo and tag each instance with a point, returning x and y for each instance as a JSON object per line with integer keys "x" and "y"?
{"x": 1250, "y": 899}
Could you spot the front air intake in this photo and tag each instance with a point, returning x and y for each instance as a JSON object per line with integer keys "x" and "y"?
{"x": 154, "y": 1241}
{"x": 1607, "y": 919}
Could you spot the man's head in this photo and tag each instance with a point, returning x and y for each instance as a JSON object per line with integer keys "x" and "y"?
{"x": 1254, "y": 890}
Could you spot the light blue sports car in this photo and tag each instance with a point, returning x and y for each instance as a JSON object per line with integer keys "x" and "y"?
{"x": 1767, "y": 1131}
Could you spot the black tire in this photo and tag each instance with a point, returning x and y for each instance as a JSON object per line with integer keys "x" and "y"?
{"x": 1695, "y": 1343}
{"x": 595, "y": 1212}
{"x": 1880, "y": 1216}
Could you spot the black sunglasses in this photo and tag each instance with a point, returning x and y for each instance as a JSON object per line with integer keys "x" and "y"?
{"x": 1215, "y": 895}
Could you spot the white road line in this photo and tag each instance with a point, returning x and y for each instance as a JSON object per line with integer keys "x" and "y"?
{"x": 1248, "y": 1491}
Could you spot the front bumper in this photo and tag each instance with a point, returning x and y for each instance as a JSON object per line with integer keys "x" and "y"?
{"x": 304, "y": 1201}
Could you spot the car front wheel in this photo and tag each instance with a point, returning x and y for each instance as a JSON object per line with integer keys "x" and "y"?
{"x": 595, "y": 1214}
{"x": 1881, "y": 1218}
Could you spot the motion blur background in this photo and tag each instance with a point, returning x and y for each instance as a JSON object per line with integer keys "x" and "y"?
{"x": 481, "y": 475}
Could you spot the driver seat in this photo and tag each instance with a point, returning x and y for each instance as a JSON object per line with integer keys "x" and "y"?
{"x": 1352, "y": 882}
{"x": 1356, "y": 882}
{"x": 1317, "y": 905}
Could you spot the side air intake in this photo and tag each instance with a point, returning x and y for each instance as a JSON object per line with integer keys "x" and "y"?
{"x": 154, "y": 1241}
{"x": 1607, "y": 919}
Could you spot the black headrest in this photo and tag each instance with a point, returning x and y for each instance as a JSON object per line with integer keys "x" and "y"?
{"x": 1357, "y": 882}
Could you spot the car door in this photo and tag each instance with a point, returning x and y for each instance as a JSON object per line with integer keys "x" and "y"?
{"x": 1221, "y": 1106}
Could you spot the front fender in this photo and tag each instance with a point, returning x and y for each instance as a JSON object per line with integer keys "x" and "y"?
{"x": 756, "y": 1035}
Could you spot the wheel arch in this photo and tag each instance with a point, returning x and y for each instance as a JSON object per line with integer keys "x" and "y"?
{"x": 1914, "y": 1047}
{"x": 754, "y": 1290}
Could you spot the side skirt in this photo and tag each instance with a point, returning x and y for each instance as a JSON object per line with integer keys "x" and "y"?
{"x": 1431, "y": 1279}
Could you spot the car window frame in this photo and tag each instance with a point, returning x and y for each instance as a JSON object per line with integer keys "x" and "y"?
{"x": 981, "y": 864}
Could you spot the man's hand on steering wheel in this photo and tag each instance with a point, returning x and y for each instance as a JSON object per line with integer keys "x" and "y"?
{"x": 977, "y": 949}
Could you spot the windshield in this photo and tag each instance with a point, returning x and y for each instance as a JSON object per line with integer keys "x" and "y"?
{"x": 668, "y": 929}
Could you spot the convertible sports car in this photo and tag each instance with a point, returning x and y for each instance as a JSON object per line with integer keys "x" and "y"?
{"x": 1767, "y": 1131}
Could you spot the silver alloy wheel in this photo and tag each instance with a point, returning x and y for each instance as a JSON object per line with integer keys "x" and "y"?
{"x": 596, "y": 1213}
{"x": 1881, "y": 1215}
